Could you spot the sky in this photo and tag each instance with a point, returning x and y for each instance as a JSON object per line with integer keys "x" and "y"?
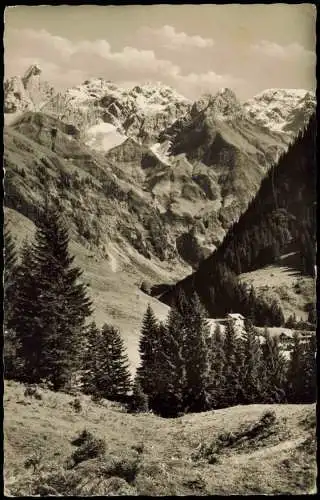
{"x": 194, "y": 48}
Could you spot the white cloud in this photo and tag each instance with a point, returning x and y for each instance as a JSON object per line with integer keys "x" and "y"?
{"x": 169, "y": 38}
{"x": 291, "y": 52}
{"x": 67, "y": 63}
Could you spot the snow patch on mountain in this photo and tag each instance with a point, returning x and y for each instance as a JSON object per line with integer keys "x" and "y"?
{"x": 104, "y": 136}
{"x": 161, "y": 150}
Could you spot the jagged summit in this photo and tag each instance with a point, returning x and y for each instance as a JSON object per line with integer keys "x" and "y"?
{"x": 26, "y": 93}
{"x": 222, "y": 105}
{"x": 281, "y": 110}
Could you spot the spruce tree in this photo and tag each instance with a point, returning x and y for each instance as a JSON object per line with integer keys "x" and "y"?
{"x": 294, "y": 376}
{"x": 25, "y": 318}
{"x": 90, "y": 359}
{"x": 310, "y": 371}
{"x": 12, "y": 363}
{"x": 10, "y": 268}
{"x": 139, "y": 400}
{"x": 171, "y": 375}
{"x": 196, "y": 356}
{"x": 52, "y": 304}
{"x": 216, "y": 364}
{"x": 231, "y": 371}
{"x": 148, "y": 349}
{"x": 106, "y": 370}
{"x": 251, "y": 371}
{"x": 273, "y": 374}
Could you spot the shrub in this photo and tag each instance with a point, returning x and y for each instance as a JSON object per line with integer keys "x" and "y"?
{"x": 89, "y": 447}
{"x": 139, "y": 448}
{"x": 139, "y": 400}
{"x": 268, "y": 418}
{"x": 33, "y": 461}
{"x": 126, "y": 468}
{"x": 76, "y": 405}
{"x": 31, "y": 391}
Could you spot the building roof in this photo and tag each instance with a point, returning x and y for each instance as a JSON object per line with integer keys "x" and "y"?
{"x": 236, "y": 316}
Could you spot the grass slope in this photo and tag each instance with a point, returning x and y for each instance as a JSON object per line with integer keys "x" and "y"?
{"x": 283, "y": 462}
{"x": 284, "y": 283}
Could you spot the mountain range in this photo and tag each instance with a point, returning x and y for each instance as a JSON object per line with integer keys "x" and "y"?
{"x": 191, "y": 168}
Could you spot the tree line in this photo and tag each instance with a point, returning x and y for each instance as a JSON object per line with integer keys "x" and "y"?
{"x": 183, "y": 368}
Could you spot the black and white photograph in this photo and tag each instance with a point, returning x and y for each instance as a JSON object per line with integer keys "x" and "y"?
{"x": 159, "y": 235}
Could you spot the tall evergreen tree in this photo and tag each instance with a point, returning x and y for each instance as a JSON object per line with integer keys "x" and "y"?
{"x": 216, "y": 364}
{"x": 310, "y": 371}
{"x": 148, "y": 349}
{"x": 10, "y": 268}
{"x": 231, "y": 371}
{"x": 273, "y": 374}
{"x": 196, "y": 356}
{"x": 171, "y": 376}
{"x": 107, "y": 374}
{"x": 294, "y": 376}
{"x": 12, "y": 363}
{"x": 52, "y": 304}
{"x": 90, "y": 359}
{"x": 251, "y": 371}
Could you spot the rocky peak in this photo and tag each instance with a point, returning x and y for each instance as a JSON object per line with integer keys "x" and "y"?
{"x": 281, "y": 110}
{"x": 27, "y": 93}
{"x": 222, "y": 105}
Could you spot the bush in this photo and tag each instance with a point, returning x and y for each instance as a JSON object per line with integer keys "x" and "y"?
{"x": 31, "y": 391}
{"x": 126, "y": 468}
{"x": 88, "y": 447}
{"x": 139, "y": 448}
{"x": 76, "y": 405}
{"x": 268, "y": 418}
{"x": 206, "y": 452}
{"x": 139, "y": 400}
{"x": 34, "y": 461}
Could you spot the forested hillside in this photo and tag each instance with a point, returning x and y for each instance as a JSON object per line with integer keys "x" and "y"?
{"x": 280, "y": 219}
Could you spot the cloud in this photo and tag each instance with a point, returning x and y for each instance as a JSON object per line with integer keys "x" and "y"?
{"x": 65, "y": 63}
{"x": 291, "y": 52}
{"x": 169, "y": 38}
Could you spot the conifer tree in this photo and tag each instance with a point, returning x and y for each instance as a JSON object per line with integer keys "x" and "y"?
{"x": 171, "y": 376}
{"x": 251, "y": 370}
{"x": 10, "y": 268}
{"x": 310, "y": 371}
{"x": 12, "y": 363}
{"x": 273, "y": 370}
{"x": 24, "y": 319}
{"x": 139, "y": 400}
{"x": 216, "y": 364}
{"x": 51, "y": 304}
{"x": 295, "y": 372}
{"x": 90, "y": 359}
{"x": 231, "y": 371}
{"x": 148, "y": 349}
{"x": 196, "y": 356}
{"x": 107, "y": 374}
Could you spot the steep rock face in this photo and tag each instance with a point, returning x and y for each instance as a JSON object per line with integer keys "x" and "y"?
{"x": 26, "y": 93}
{"x": 140, "y": 112}
{"x": 282, "y": 110}
{"x": 229, "y": 154}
